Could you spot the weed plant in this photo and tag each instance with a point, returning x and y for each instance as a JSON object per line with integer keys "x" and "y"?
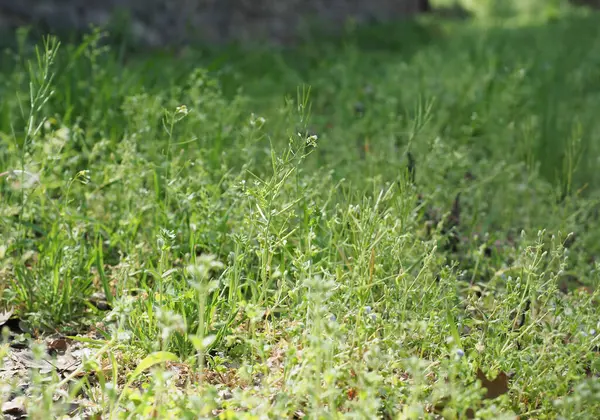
{"x": 401, "y": 225}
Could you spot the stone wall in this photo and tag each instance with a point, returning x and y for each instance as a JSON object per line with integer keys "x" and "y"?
{"x": 160, "y": 22}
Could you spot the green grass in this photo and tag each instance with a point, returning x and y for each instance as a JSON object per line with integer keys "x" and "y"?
{"x": 356, "y": 228}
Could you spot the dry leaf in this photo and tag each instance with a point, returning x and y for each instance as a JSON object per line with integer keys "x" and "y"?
{"x": 494, "y": 387}
{"x": 5, "y": 316}
{"x": 67, "y": 363}
{"x": 58, "y": 345}
{"x": 15, "y": 408}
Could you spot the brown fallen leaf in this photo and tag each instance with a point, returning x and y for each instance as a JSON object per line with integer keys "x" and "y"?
{"x": 58, "y": 345}
{"x": 494, "y": 387}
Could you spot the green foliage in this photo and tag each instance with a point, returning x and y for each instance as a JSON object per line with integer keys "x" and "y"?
{"x": 386, "y": 242}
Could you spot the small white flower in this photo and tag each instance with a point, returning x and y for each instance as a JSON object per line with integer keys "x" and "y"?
{"x": 182, "y": 109}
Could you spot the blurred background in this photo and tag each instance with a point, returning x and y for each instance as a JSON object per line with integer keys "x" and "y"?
{"x": 156, "y": 23}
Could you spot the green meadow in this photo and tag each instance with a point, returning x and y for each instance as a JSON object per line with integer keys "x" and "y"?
{"x": 398, "y": 223}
